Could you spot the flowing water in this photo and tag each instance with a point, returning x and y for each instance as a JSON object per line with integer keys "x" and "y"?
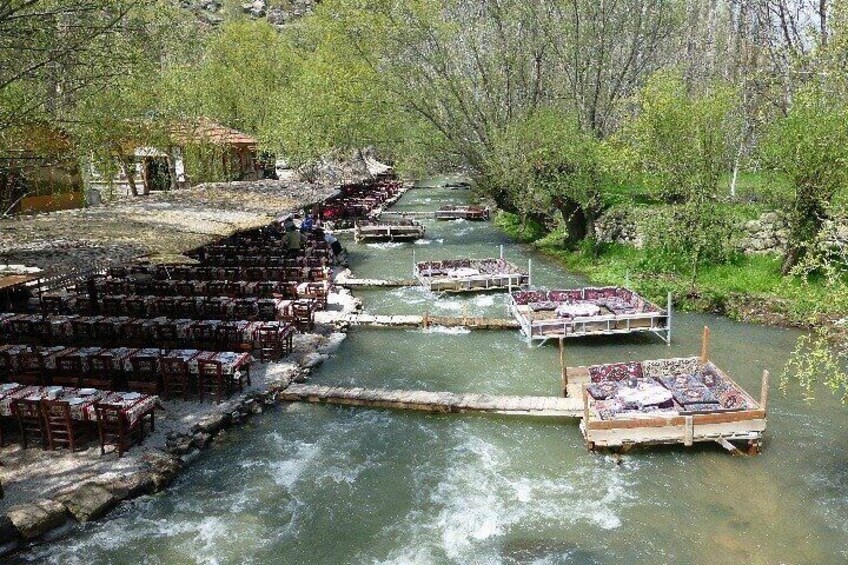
{"x": 323, "y": 484}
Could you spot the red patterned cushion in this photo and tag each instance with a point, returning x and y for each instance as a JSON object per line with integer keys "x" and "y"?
{"x": 615, "y": 372}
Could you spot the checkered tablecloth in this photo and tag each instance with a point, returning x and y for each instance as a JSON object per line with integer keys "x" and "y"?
{"x": 231, "y": 362}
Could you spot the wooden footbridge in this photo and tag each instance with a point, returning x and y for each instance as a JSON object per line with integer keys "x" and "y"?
{"x": 428, "y": 321}
{"x": 438, "y": 402}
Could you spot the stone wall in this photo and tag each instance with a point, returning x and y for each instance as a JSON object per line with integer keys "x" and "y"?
{"x": 766, "y": 234}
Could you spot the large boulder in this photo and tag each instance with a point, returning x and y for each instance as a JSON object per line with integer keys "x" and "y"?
{"x": 35, "y": 519}
{"x": 89, "y": 502}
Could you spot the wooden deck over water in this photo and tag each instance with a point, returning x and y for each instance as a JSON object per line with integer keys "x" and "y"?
{"x": 440, "y": 402}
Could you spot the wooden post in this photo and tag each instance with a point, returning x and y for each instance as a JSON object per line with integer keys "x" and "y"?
{"x": 563, "y": 367}
{"x": 705, "y": 345}
{"x": 586, "y": 414}
{"x": 764, "y": 391}
{"x": 426, "y": 320}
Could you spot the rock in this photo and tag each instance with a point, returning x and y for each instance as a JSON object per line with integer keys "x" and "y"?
{"x": 89, "y": 502}
{"x": 256, "y": 9}
{"x": 753, "y": 226}
{"x": 35, "y": 519}
{"x": 8, "y": 533}
{"x": 300, "y": 377}
{"x": 201, "y": 440}
{"x": 180, "y": 445}
{"x": 769, "y": 218}
{"x": 131, "y": 486}
{"x": 212, "y": 423}
{"x": 312, "y": 360}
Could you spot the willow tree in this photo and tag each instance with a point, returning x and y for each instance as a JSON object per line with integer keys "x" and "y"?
{"x": 681, "y": 142}
{"x": 810, "y": 147}
{"x": 548, "y": 162}
{"x": 54, "y": 51}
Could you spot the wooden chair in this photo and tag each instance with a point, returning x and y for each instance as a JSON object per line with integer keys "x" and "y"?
{"x": 61, "y": 429}
{"x": 164, "y": 288}
{"x": 167, "y": 306}
{"x": 205, "y": 337}
{"x": 41, "y": 332}
{"x": 136, "y": 306}
{"x": 245, "y": 309}
{"x": 186, "y": 307}
{"x": 145, "y": 374}
{"x": 31, "y": 369}
{"x": 211, "y": 380}
{"x": 115, "y": 286}
{"x": 267, "y": 309}
{"x": 113, "y": 428}
{"x": 176, "y": 378}
{"x": 302, "y": 313}
{"x": 107, "y": 333}
{"x": 185, "y": 288}
{"x": 134, "y": 334}
{"x": 254, "y": 274}
{"x": 82, "y": 333}
{"x": 231, "y": 338}
{"x": 166, "y": 335}
{"x": 101, "y": 373}
{"x": 270, "y": 345}
{"x": 112, "y": 305}
{"x": 5, "y": 366}
{"x": 52, "y": 305}
{"x": 68, "y": 371}
{"x": 30, "y": 421}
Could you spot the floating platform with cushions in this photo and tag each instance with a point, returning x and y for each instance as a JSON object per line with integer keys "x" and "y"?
{"x": 474, "y": 213}
{"x": 383, "y": 230}
{"x": 555, "y": 314}
{"x": 667, "y": 401}
{"x": 469, "y": 275}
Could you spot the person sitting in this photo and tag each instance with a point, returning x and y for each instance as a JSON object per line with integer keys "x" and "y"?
{"x": 294, "y": 242}
{"x": 307, "y": 224}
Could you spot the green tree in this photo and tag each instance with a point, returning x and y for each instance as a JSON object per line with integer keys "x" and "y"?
{"x": 547, "y": 162}
{"x": 681, "y": 144}
{"x": 810, "y": 147}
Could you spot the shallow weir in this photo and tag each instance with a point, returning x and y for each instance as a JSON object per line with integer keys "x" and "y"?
{"x": 324, "y": 484}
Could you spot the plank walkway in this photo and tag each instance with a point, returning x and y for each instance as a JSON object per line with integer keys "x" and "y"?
{"x": 426, "y": 401}
{"x": 414, "y": 321}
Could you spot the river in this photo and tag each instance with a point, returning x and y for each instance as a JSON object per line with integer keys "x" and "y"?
{"x": 323, "y": 484}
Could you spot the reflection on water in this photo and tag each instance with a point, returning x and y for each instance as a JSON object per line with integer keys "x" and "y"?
{"x": 320, "y": 484}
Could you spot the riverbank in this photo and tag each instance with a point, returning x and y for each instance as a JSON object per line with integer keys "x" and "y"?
{"x": 749, "y": 289}
{"x": 47, "y": 492}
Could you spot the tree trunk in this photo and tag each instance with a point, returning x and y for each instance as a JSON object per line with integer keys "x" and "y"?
{"x": 172, "y": 168}
{"x": 129, "y": 172}
{"x": 805, "y": 224}
{"x": 576, "y": 221}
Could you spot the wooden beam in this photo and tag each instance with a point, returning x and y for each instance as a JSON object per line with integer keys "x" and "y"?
{"x": 563, "y": 367}
{"x": 728, "y": 446}
{"x": 705, "y": 345}
{"x": 764, "y": 391}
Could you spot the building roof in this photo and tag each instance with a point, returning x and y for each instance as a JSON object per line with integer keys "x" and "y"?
{"x": 207, "y": 131}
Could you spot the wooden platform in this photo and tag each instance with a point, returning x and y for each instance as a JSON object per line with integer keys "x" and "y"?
{"x": 388, "y": 231}
{"x": 444, "y": 402}
{"x": 672, "y": 427}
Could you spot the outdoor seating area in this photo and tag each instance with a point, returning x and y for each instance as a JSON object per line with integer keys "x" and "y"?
{"x": 359, "y": 201}
{"x": 555, "y": 314}
{"x": 472, "y": 213}
{"x": 385, "y": 230}
{"x": 469, "y": 275}
{"x": 149, "y": 370}
{"x": 682, "y": 400}
{"x": 54, "y": 417}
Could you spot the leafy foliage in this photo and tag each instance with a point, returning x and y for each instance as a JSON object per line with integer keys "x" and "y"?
{"x": 810, "y": 146}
